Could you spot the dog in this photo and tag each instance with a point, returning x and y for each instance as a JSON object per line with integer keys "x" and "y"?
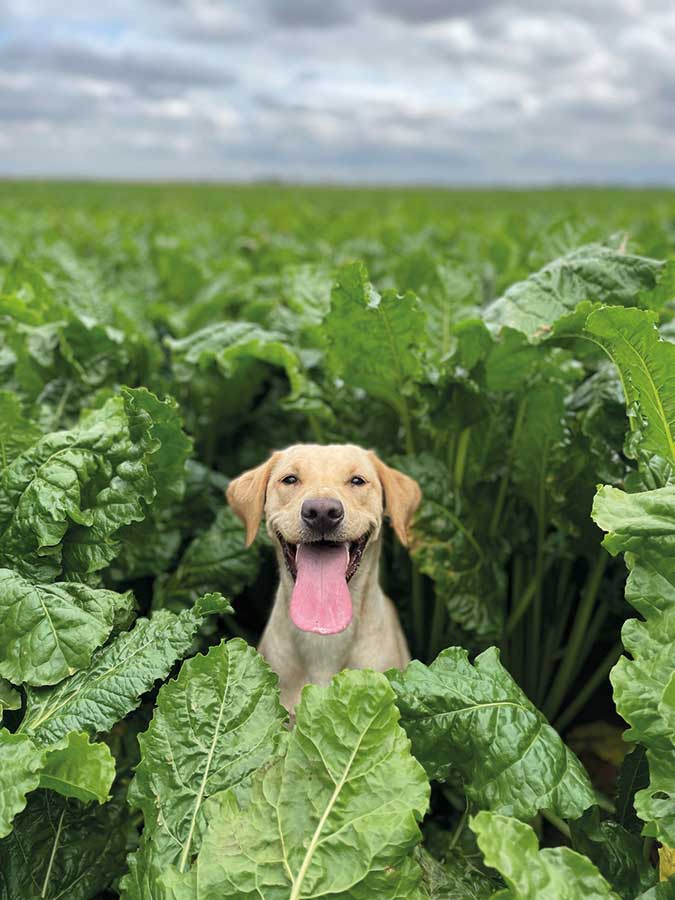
{"x": 324, "y": 507}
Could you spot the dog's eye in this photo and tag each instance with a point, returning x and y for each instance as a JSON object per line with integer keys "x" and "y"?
{"x": 357, "y": 481}
{"x": 289, "y": 479}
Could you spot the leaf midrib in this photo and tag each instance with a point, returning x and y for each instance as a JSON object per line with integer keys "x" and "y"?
{"x": 202, "y": 787}
{"x": 296, "y": 886}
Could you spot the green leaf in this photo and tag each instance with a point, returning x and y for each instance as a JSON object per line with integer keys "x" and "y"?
{"x": 476, "y": 720}
{"x": 48, "y": 631}
{"x": 665, "y": 890}
{"x": 229, "y": 344}
{"x": 469, "y": 581}
{"x": 360, "y": 320}
{"x": 63, "y": 500}
{"x": 9, "y": 697}
{"x": 646, "y": 364}
{"x": 531, "y": 874}
{"x": 62, "y": 850}
{"x": 616, "y": 852}
{"x": 172, "y": 446}
{"x": 213, "y": 727}
{"x": 455, "y": 878}
{"x": 633, "y": 777}
{"x": 644, "y": 525}
{"x": 592, "y": 272}
{"x": 94, "y": 699}
{"x": 18, "y": 432}
{"x": 337, "y": 816}
{"x": 20, "y": 764}
{"x": 76, "y": 768}
{"x": 216, "y": 557}
{"x": 540, "y": 447}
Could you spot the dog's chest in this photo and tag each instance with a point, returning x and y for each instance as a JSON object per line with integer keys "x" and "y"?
{"x": 323, "y": 655}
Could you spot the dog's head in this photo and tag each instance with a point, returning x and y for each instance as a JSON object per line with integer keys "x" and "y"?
{"x": 324, "y": 507}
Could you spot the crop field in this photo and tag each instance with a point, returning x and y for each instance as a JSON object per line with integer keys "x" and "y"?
{"x": 514, "y": 352}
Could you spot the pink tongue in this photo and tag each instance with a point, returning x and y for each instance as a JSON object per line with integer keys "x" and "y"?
{"x": 320, "y": 601}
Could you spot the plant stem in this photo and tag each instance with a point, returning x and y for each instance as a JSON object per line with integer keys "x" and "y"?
{"x": 515, "y": 641}
{"x": 506, "y": 477}
{"x": 460, "y": 457}
{"x": 438, "y": 621}
{"x": 589, "y": 638}
{"x": 457, "y": 833}
{"x": 407, "y": 427}
{"x": 589, "y": 688}
{"x": 417, "y": 592}
{"x": 315, "y": 428}
{"x": 562, "y": 681}
{"x": 552, "y": 643}
{"x": 535, "y": 631}
{"x": 521, "y": 607}
{"x": 557, "y": 822}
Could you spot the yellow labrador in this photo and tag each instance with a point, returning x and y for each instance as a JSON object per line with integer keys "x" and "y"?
{"x": 324, "y": 508}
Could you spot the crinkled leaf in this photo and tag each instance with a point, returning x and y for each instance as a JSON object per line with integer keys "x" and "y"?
{"x": 540, "y": 447}
{"x": 48, "y": 631}
{"x": 63, "y": 501}
{"x": 633, "y": 777}
{"x": 62, "y": 850}
{"x": 77, "y": 768}
{"x": 336, "y": 817}
{"x": 214, "y": 726}
{"x": 476, "y": 720}
{"x": 20, "y": 764}
{"x": 616, "y": 852}
{"x": 218, "y": 557}
{"x": 647, "y": 366}
{"x": 511, "y": 847}
{"x": 18, "y": 432}
{"x": 10, "y": 698}
{"x": 644, "y": 524}
{"x": 469, "y": 581}
{"x": 665, "y": 890}
{"x": 592, "y": 272}
{"x": 361, "y": 320}
{"x": 94, "y": 699}
{"x": 455, "y": 879}
{"x": 229, "y": 344}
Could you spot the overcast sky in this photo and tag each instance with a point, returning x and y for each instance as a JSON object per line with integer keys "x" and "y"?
{"x": 473, "y": 91}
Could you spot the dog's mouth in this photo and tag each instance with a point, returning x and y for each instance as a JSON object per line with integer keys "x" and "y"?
{"x": 355, "y": 550}
{"x": 321, "y": 602}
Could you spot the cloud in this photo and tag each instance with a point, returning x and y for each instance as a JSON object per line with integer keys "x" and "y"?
{"x": 421, "y": 90}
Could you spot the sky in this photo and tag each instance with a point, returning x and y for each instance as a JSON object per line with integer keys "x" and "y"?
{"x": 378, "y": 91}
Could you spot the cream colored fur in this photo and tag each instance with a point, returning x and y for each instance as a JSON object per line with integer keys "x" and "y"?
{"x": 374, "y": 639}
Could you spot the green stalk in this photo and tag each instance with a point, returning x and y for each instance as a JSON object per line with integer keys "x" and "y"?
{"x": 515, "y": 642}
{"x": 557, "y": 822}
{"x": 590, "y": 637}
{"x": 535, "y": 630}
{"x": 438, "y": 622}
{"x": 457, "y": 833}
{"x": 552, "y": 643}
{"x": 417, "y": 592}
{"x": 589, "y": 688}
{"x": 562, "y": 681}
{"x": 315, "y": 428}
{"x": 460, "y": 457}
{"x": 506, "y": 477}
{"x": 521, "y": 607}
{"x": 407, "y": 427}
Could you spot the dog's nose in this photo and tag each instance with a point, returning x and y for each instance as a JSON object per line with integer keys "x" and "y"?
{"x": 322, "y": 514}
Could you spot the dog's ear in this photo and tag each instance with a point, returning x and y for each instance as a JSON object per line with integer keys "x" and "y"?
{"x": 402, "y": 496}
{"x": 246, "y": 496}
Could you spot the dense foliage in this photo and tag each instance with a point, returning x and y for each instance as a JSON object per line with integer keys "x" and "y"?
{"x": 512, "y": 352}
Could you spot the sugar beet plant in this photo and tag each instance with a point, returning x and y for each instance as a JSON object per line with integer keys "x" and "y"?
{"x": 151, "y": 348}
